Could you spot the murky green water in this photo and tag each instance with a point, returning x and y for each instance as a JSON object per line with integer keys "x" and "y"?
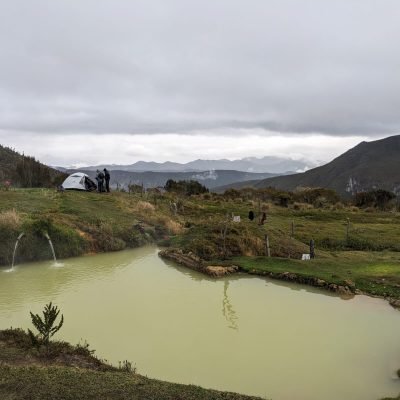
{"x": 243, "y": 334}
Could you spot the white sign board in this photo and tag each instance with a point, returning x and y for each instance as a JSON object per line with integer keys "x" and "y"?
{"x": 305, "y": 257}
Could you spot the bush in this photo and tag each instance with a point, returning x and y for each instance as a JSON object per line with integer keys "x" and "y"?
{"x": 10, "y": 218}
{"x": 45, "y": 326}
{"x": 187, "y": 188}
{"x": 144, "y": 206}
{"x": 319, "y": 197}
{"x": 106, "y": 240}
{"x": 301, "y": 206}
{"x": 380, "y": 198}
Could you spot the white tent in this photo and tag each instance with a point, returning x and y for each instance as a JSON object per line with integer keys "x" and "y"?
{"x": 79, "y": 181}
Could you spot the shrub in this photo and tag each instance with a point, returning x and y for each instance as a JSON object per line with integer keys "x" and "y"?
{"x": 10, "y": 218}
{"x": 45, "y": 326}
{"x": 337, "y": 206}
{"x": 173, "y": 227}
{"x": 301, "y": 206}
{"x": 187, "y": 188}
{"x": 319, "y": 197}
{"x": 380, "y": 198}
{"x": 144, "y": 206}
{"x": 106, "y": 238}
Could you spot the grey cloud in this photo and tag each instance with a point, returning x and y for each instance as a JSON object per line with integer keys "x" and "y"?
{"x": 112, "y": 66}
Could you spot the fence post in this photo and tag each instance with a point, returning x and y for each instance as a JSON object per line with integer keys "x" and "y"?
{"x": 268, "y": 251}
{"x": 312, "y": 248}
{"x": 347, "y": 229}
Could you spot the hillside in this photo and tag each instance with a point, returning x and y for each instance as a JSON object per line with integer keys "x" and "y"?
{"x": 367, "y": 166}
{"x": 236, "y": 185}
{"x": 150, "y": 179}
{"x": 23, "y": 171}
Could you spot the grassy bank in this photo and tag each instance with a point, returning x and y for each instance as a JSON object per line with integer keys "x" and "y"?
{"x": 66, "y": 372}
{"x": 77, "y": 223}
{"x": 375, "y": 273}
{"x": 357, "y": 245}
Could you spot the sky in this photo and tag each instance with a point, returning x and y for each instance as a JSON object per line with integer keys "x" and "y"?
{"x": 84, "y": 82}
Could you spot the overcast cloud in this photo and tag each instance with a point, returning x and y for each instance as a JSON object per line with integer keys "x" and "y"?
{"x": 99, "y": 70}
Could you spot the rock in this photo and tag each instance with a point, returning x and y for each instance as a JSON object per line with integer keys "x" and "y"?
{"x": 288, "y": 276}
{"x": 349, "y": 282}
{"x": 320, "y": 282}
{"x": 219, "y": 270}
{"x": 192, "y": 261}
{"x": 344, "y": 290}
{"x": 395, "y": 303}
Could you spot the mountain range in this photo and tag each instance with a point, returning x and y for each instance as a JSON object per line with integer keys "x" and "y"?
{"x": 367, "y": 166}
{"x": 270, "y": 164}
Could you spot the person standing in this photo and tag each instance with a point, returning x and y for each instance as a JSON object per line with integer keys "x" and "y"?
{"x": 107, "y": 179}
{"x": 100, "y": 181}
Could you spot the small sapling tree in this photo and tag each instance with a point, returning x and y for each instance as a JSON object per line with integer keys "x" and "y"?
{"x": 45, "y": 326}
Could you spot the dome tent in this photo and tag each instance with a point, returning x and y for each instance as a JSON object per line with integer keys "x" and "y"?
{"x": 79, "y": 181}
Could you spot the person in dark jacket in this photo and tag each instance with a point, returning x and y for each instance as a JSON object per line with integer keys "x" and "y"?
{"x": 100, "y": 181}
{"x": 107, "y": 179}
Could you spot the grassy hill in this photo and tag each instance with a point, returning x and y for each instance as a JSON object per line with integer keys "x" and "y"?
{"x": 22, "y": 171}
{"x": 367, "y": 166}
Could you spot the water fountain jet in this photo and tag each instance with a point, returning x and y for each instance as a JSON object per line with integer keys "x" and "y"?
{"x": 15, "y": 249}
{"x": 46, "y": 235}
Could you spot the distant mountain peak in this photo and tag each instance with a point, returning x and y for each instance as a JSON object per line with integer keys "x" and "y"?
{"x": 366, "y": 166}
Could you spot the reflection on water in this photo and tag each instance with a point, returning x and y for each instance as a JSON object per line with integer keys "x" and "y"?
{"x": 227, "y": 309}
{"x": 270, "y": 338}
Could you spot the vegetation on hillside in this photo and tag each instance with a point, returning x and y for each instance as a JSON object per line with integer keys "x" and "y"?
{"x": 22, "y": 171}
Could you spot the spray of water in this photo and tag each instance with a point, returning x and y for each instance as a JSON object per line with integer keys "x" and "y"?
{"x": 15, "y": 249}
{"x": 51, "y": 246}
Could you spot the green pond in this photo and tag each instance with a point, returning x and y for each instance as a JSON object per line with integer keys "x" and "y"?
{"x": 242, "y": 333}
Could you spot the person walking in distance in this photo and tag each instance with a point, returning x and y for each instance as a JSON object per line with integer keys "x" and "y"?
{"x": 107, "y": 179}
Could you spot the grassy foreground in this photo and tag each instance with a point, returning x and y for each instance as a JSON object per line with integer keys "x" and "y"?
{"x": 68, "y": 372}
